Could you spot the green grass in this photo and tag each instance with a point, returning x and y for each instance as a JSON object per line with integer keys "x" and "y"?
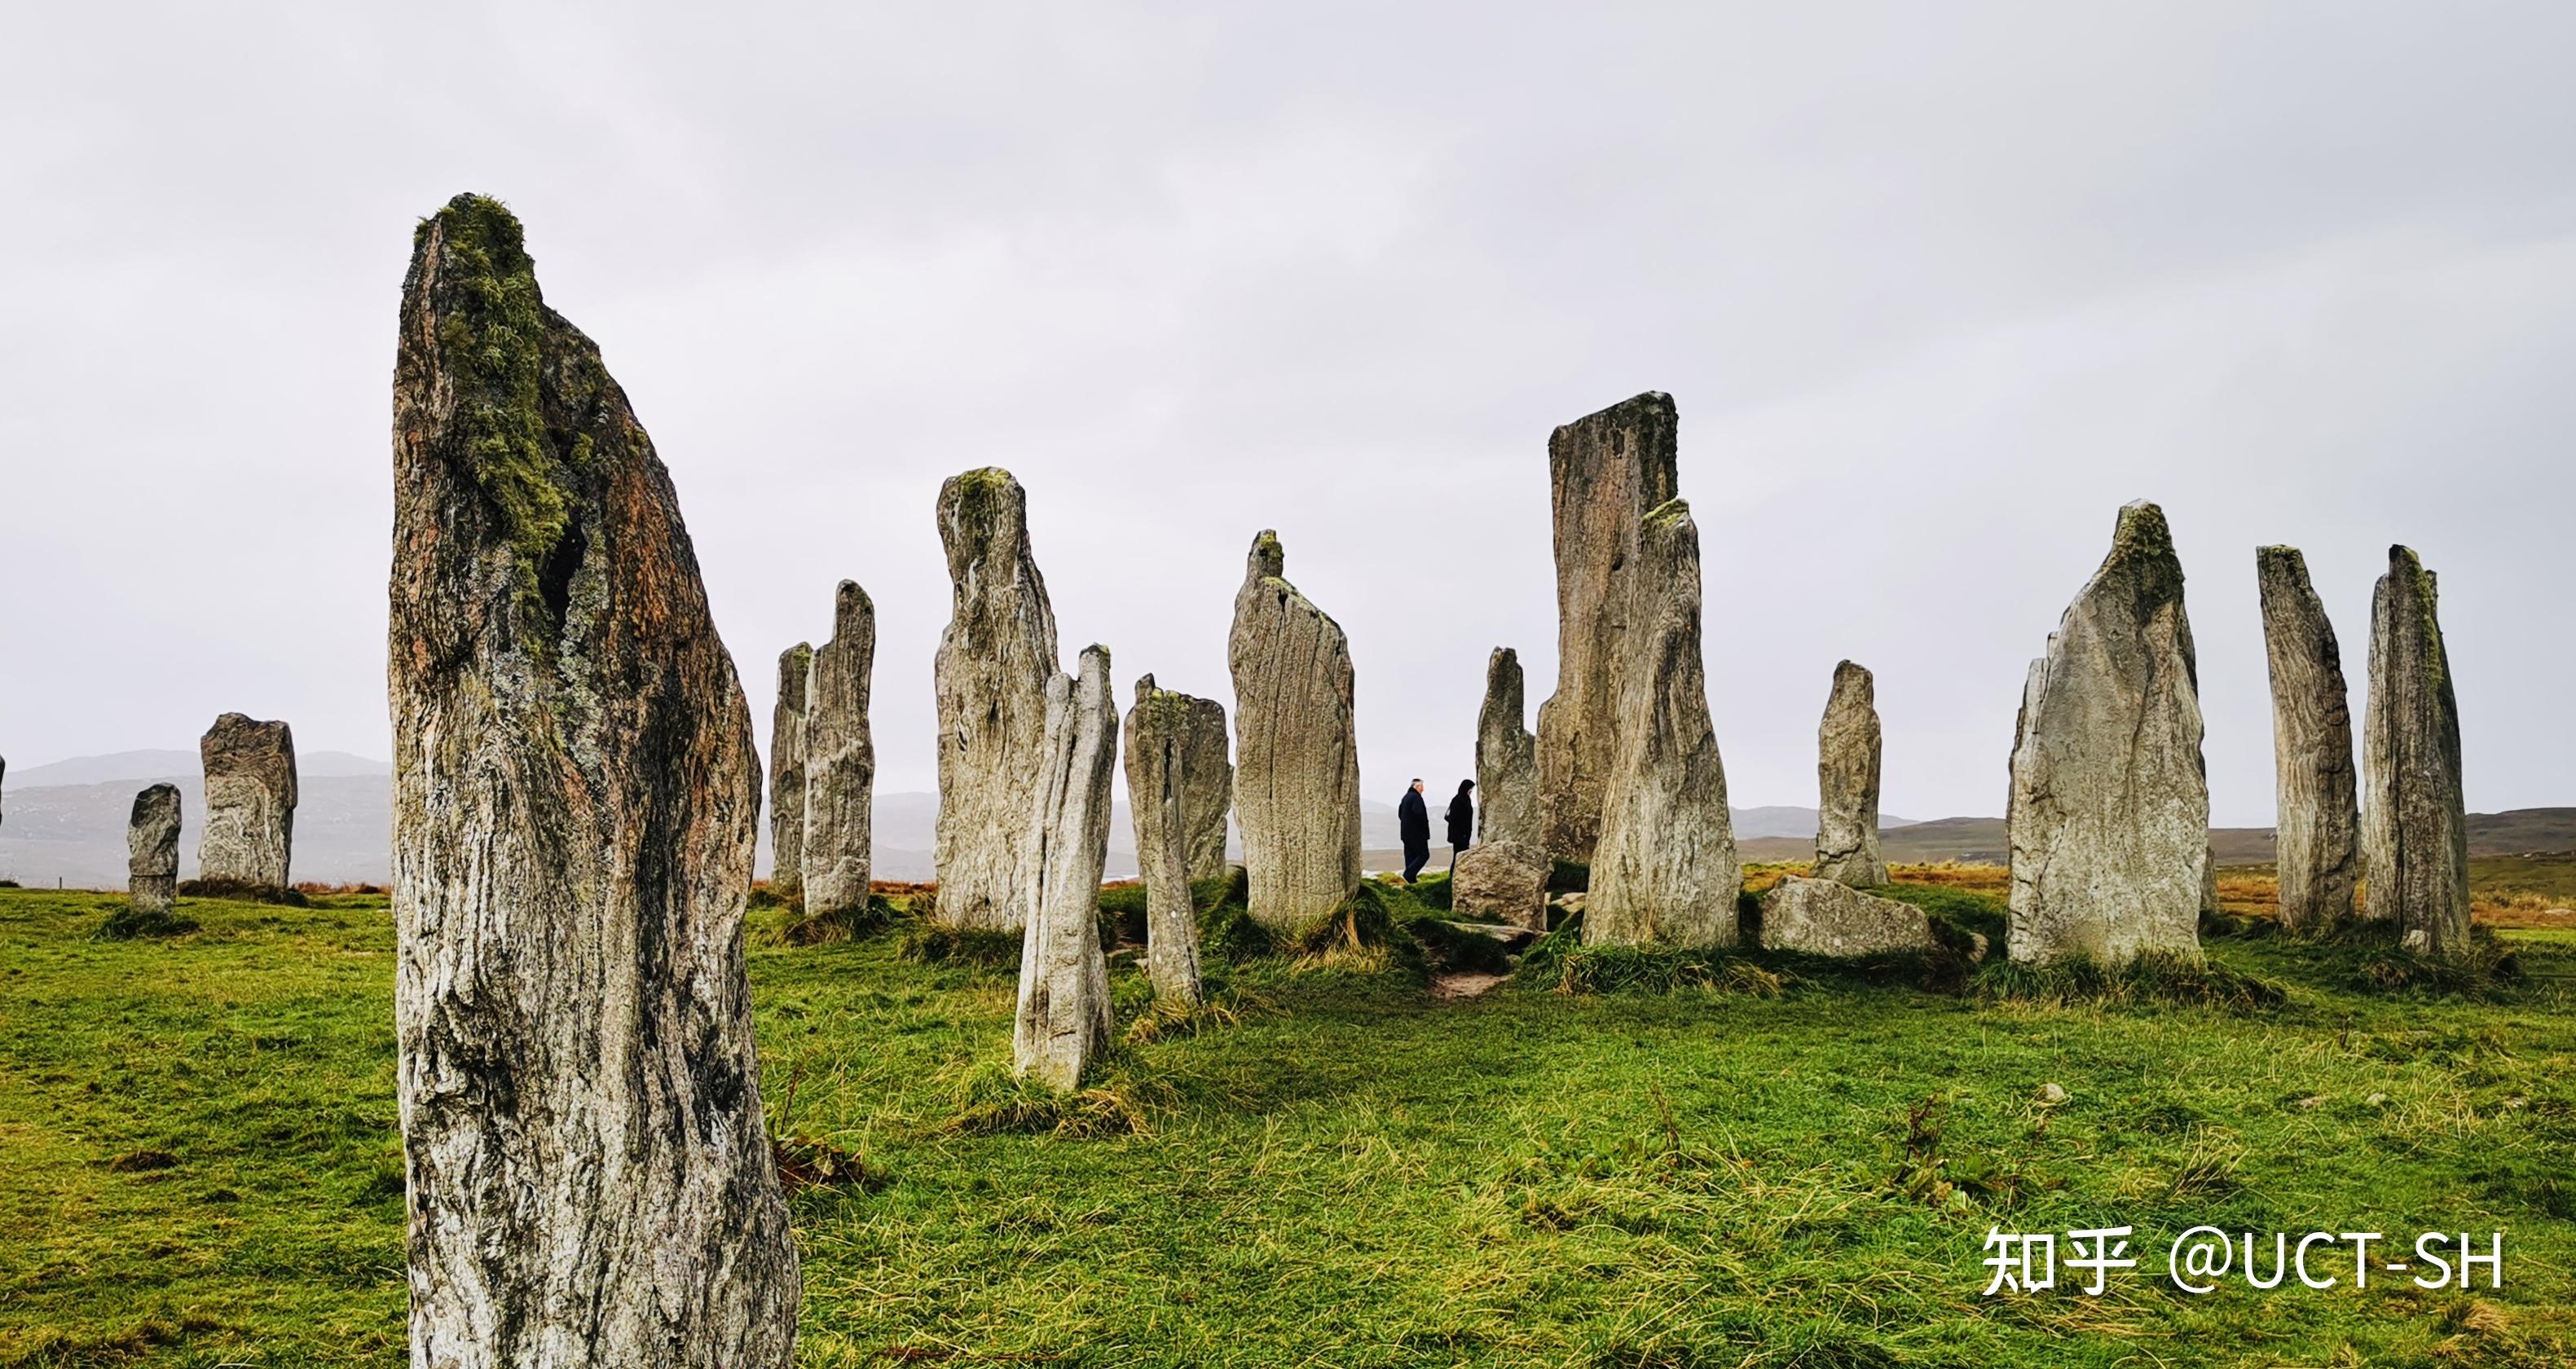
{"x": 199, "y": 1164}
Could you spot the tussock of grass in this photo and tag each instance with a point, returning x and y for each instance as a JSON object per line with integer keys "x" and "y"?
{"x": 127, "y": 924}
{"x": 1118, "y": 1101}
{"x": 933, "y": 943}
{"x": 242, "y": 891}
{"x": 765, "y": 896}
{"x": 1581, "y": 969}
{"x": 2150, "y": 978}
{"x": 1164, "y": 1020}
{"x": 2370, "y": 956}
{"x": 807, "y": 926}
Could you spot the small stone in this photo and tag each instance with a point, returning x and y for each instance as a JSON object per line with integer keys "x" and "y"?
{"x": 1847, "y": 748}
{"x": 1506, "y": 757}
{"x": 2376, "y": 1100}
{"x": 152, "y": 849}
{"x": 2051, "y": 1095}
{"x": 2415, "y": 829}
{"x": 1064, "y": 1019}
{"x": 1978, "y": 948}
{"x": 2313, "y": 1101}
{"x": 1502, "y": 879}
{"x": 249, "y": 836}
{"x": 1829, "y": 917}
{"x": 990, "y": 675}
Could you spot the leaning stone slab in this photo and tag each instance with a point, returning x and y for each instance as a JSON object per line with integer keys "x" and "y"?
{"x": 152, "y": 849}
{"x": 1297, "y": 759}
{"x": 1506, "y": 757}
{"x": 2318, "y": 851}
{"x": 2415, "y": 837}
{"x": 1829, "y": 917}
{"x": 1502, "y": 879}
{"x": 2109, "y": 815}
{"x": 787, "y": 773}
{"x": 1158, "y": 787}
{"x": 1847, "y": 783}
{"x": 1605, "y": 471}
{"x": 991, "y": 676}
{"x": 840, "y": 758}
{"x": 576, "y": 799}
{"x": 250, "y": 797}
{"x": 1065, "y": 1020}
{"x": 1665, "y": 870}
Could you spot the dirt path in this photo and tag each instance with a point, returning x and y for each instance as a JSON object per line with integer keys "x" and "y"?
{"x": 1464, "y": 985}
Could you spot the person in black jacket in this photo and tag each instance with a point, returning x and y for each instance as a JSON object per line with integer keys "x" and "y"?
{"x": 1462, "y": 824}
{"x": 1413, "y": 821}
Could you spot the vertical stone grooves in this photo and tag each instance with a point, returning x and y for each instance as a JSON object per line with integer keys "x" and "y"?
{"x": 787, "y": 773}
{"x": 1665, "y": 869}
{"x": 1847, "y": 759}
{"x": 1506, "y": 756}
{"x": 1297, "y": 769}
{"x": 2415, "y": 830}
{"x": 2318, "y": 814}
{"x": 575, "y": 804}
{"x": 1064, "y": 1019}
{"x": 840, "y": 758}
{"x": 1159, "y": 757}
{"x": 1605, "y": 471}
{"x": 994, "y": 661}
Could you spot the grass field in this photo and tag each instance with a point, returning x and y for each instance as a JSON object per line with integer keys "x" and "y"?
{"x": 199, "y": 1163}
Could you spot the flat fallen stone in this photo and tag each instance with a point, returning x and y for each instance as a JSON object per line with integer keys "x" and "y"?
{"x": 1502, "y": 879}
{"x": 1829, "y": 917}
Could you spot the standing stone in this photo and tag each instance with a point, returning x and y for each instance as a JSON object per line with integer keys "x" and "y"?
{"x": 1064, "y": 1016}
{"x": 1506, "y": 757}
{"x": 1604, "y": 473}
{"x": 1158, "y": 792}
{"x": 2318, "y": 824}
{"x": 840, "y": 759}
{"x": 787, "y": 774}
{"x": 1297, "y": 775}
{"x": 2109, "y": 822}
{"x": 152, "y": 849}
{"x": 250, "y": 802}
{"x": 991, "y": 675}
{"x": 1847, "y": 783}
{"x": 575, "y": 804}
{"x": 2415, "y": 832}
{"x": 1502, "y": 879}
{"x": 1665, "y": 871}
{"x": 1207, "y": 787}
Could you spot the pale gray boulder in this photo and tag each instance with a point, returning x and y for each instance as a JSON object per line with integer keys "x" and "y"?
{"x": 152, "y": 849}
{"x": 787, "y": 773}
{"x": 840, "y": 758}
{"x": 250, "y": 794}
{"x": 576, "y": 800}
{"x": 2318, "y": 813}
{"x": 1665, "y": 870}
{"x": 991, "y": 674}
{"x": 1158, "y": 790}
{"x": 1502, "y": 879}
{"x": 1830, "y": 917}
{"x": 1847, "y": 754}
{"x": 1065, "y": 1020}
{"x": 1506, "y": 757}
{"x": 1297, "y": 761}
{"x": 2109, "y": 819}
{"x": 2415, "y": 827}
{"x": 1605, "y": 471}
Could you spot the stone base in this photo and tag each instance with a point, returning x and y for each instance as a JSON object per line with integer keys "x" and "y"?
{"x": 152, "y": 893}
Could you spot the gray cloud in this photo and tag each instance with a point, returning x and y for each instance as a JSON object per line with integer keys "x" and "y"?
{"x": 1936, "y": 289}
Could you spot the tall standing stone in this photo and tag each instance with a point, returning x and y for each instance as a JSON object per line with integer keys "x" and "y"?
{"x": 991, "y": 675}
{"x": 1604, "y": 473}
{"x": 787, "y": 774}
{"x": 1847, "y": 782}
{"x": 1297, "y": 759}
{"x": 1207, "y": 786}
{"x": 575, "y": 804}
{"x": 1064, "y": 1017}
{"x": 249, "y": 836}
{"x": 2415, "y": 833}
{"x": 840, "y": 758}
{"x": 152, "y": 849}
{"x": 1506, "y": 756}
{"x": 2318, "y": 853}
{"x": 1665, "y": 870}
{"x": 1158, "y": 790}
{"x": 2109, "y": 821}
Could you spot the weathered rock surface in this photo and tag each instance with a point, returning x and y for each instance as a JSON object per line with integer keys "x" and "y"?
{"x": 1605, "y": 471}
{"x": 2415, "y": 833}
{"x": 1065, "y": 1019}
{"x": 1207, "y": 785}
{"x": 991, "y": 674}
{"x": 2319, "y": 816}
{"x": 575, "y": 804}
{"x": 1297, "y": 759}
{"x": 840, "y": 758}
{"x": 2110, "y": 808}
{"x": 1502, "y": 879}
{"x": 152, "y": 849}
{"x": 249, "y": 835}
{"x": 1830, "y": 917}
{"x": 787, "y": 773}
{"x": 1665, "y": 869}
{"x": 1506, "y": 756}
{"x": 1847, "y": 782}
{"x": 1158, "y": 790}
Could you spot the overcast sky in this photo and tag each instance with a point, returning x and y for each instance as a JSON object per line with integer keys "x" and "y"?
{"x": 1936, "y": 290}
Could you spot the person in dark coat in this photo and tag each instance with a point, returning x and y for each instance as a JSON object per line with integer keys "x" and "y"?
{"x": 1414, "y": 823}
{"x": 1462, "y": 824}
